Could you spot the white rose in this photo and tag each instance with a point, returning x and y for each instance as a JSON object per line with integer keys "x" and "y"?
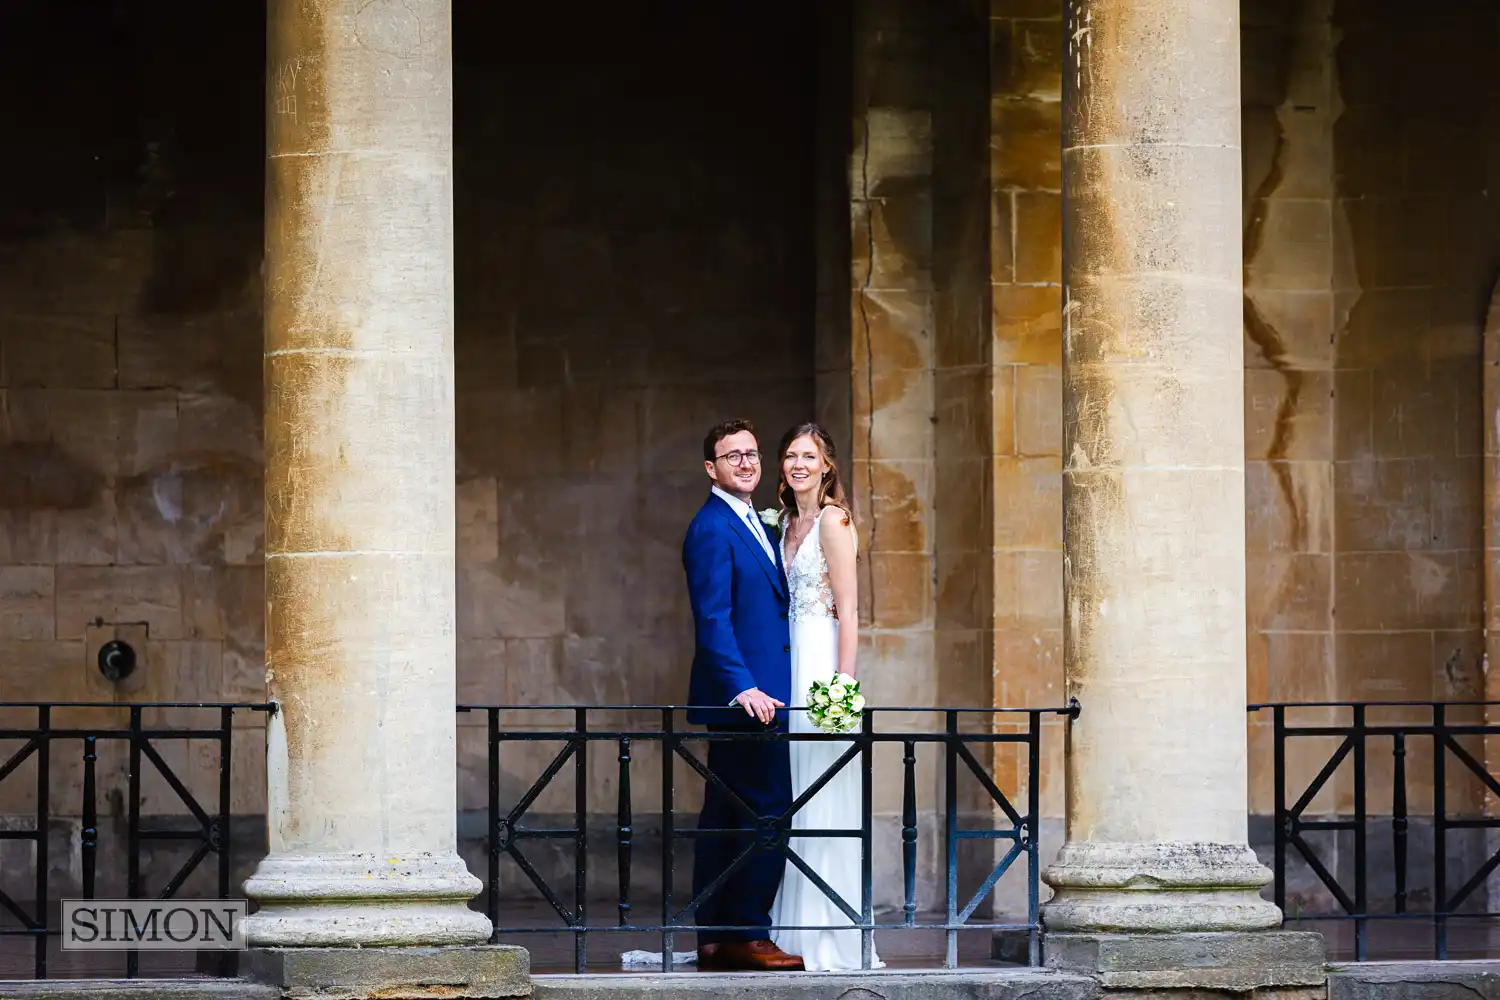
{"x": 770, "y": 517}
{"x": 820, "y": 699}
{"x": 836, "y": 711}
{"x": 836, "y": 691}
{"x": 844, "y": 679}
{"x": 858, "y": 704}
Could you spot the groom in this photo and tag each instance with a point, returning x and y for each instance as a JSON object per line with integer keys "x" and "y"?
{"x": 742, "y": 660}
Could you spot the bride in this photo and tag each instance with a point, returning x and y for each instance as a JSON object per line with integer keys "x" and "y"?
{"x": 818, "y": 549}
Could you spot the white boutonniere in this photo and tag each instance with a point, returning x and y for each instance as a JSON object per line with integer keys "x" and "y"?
{"x": 771, "y": 518}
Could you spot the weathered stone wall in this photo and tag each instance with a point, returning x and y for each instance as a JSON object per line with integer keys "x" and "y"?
{"x": 962, "y": 386}
{"x": 1371, "y": 250}
{"x": 891, "y": 339}
{"x": 622, "y": 223}
{"x": 1025, "y": 157}
{"x": 1026, "y": 275}
{"x": 1291, "y": 102}
{"x": 1372, "y": 245}
{"x": 130, "y": 442}
{"x": 918, "y": 385}
{"x": 635, "y": 261}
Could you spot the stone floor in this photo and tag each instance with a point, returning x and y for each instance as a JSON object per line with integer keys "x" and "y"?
{"x": 1406, "y": 940}
{"x": 1007, "y": 984}
{"x": 550, "y": 953}
{"x": 1015, "y": 984}
{"x": 902, "y": 950}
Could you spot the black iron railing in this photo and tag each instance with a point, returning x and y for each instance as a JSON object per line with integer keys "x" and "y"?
{"x": 965, "y": 739}
{"x": 962, "y": 732}
{"x": 1359, "y": 732}
{"x": 45, "y": 741}
{"x": 1383, "y": 762}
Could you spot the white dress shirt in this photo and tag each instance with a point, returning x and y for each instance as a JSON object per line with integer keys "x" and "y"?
{"x": 752, "y": 521}
{"x": 747, "y": 514}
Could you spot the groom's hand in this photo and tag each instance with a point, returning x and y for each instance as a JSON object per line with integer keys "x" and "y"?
{"x": 760, "y": 706}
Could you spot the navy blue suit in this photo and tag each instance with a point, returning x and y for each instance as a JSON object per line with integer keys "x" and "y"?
{"x": 743, "y": 641}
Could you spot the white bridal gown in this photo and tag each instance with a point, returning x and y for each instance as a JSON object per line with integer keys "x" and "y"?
{"x": 800, "y": 903}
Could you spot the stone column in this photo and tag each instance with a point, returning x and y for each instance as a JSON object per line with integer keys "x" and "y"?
{"x": 360, "y": 648}
{"x": 1154, "y": 491}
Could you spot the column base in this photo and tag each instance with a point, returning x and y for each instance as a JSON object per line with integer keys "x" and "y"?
{"x": 392, "y": 973}
{"x": 1155, "y": 888}
{"x": 1225, "y": 961}
{"x": 362, "y": 900}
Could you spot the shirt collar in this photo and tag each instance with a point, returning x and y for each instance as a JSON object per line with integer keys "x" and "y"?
{"x": 739, "y": 506}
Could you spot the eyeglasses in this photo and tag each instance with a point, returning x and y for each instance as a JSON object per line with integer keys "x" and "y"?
{"x": 738, "y": 458}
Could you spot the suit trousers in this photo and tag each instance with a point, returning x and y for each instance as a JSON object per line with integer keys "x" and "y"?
{"x": 758, "y": 773}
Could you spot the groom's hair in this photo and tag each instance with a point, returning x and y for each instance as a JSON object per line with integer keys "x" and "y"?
{"x": 722, "y": 431}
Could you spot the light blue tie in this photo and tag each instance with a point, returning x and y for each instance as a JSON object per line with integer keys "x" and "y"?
{"x": 760, "y": 536}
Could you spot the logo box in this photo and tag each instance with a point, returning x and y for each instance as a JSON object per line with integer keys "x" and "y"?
{"x": 154, "y": 924}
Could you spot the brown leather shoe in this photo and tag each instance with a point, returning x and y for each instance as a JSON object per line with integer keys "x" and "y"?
{"x": 748, "y": 956}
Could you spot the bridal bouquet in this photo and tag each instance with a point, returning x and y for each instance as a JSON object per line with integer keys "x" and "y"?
{"x": 835, "y": 706}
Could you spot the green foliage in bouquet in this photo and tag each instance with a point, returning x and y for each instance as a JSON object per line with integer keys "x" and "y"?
{"x": 835, "y": 706}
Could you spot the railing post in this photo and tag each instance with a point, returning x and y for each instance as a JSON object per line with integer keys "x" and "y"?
{"x": 581, "y": 834}
{"x": 1278, "y": 755}
{"x": 492, "y": 834}
{"x": 43, "y": 821}
{"x": 1033, "y": 836}
{"x": 668, "y": 834}
{"x": 624, "y": 832}
{"x": 1361, "y": 882}
{"x": 866, "y": 842}
{"x": 950, "y": 806}
{"x": 226, "y": 797}
{"x": 1398, "y": 818}
{"x": 909, "y": 832}
{"x": 133, "y": 829}
{"x": 89, "y": 835}
{"x": 1440, "y": 830}
{"x": 220, "y": 839}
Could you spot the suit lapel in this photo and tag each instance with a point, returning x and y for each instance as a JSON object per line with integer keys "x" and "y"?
{"x": 776, "y": 548}
{"x": 742, "y": 530}
{"x": 775, "y": 545}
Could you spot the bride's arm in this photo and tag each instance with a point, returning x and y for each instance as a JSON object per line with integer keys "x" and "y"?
{"x": 838, "y": 549}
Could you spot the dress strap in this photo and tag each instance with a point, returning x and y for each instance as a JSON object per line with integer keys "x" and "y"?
{"x": 854, "y": 535}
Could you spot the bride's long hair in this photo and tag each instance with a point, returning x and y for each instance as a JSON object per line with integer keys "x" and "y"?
{"x": 830, "y": 491}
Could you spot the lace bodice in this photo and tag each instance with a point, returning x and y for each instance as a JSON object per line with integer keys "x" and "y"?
{"x": 807, "y": 580}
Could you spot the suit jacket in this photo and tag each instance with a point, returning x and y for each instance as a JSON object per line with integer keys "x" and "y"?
{"x": 740, "y": 616}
